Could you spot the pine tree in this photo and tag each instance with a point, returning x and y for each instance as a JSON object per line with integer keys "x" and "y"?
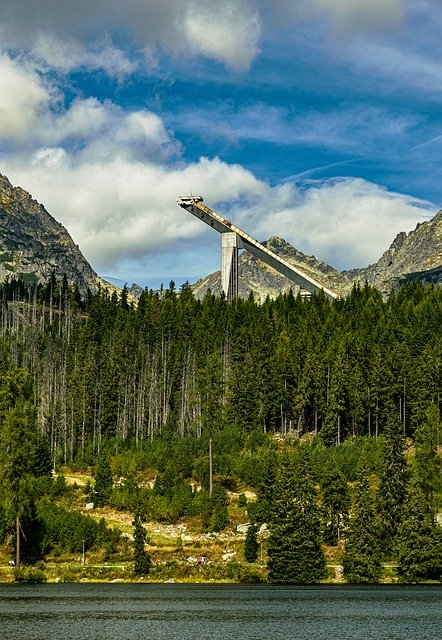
{"x": 142, "y": 561}
{"x": 335, "y": 503}
{"x": 427, "y": 460}
{"x": 393, "y": 484}
{"x": 103, "y": 481}
{"x": 361, "y": 561}
{"x": 20, "y": 460}
{"x": 419, "y": 539}
{"x": 294, "y": 550}
{"x": 251, "y": 544}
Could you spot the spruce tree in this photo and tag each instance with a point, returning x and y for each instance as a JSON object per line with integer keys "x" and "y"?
{"x": 335, "y": 504}
{"x": 393, "y": 485}
{"x": 18, "y": 470}
{"x": 294, "y": 550}
{"x": 103, "y": 481}
{"x": 362, "y": 563}
{"x": 142, "y": 561}
{"x": 419, "y": 539}
{"x": 251, "y": 544}
{"x": 427, "y": 461}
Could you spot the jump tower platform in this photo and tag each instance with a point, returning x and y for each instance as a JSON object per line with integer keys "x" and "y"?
{"x": 233, "y": 239}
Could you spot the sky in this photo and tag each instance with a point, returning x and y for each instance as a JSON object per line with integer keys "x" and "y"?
{"x": 314, "y": 120}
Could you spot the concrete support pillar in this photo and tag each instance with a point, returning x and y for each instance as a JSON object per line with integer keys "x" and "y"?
{"x": 230, "y": 242}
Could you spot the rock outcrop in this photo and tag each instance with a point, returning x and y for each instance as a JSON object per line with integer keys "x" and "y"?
{"x": 413, "y": 256}
{"x": 33, "y": 245}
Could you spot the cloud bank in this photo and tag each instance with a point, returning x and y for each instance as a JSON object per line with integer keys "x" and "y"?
{"x": 112, "y": 178}
{"x": 68, "y": 35}
{"x": 111, "y": 174}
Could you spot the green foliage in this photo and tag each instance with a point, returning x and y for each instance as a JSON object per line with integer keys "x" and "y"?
{"x": 393, "y": 485}
{"x": 30, "y": 575}
{"x": 361, "y": 562}
{"x": 335, "y": 504}
{"x": 419, "y": 539}
{"x": 142, "y": 561}
{"x": 150, "y": 385}
{"x": 251, "y": 544}
{"x": 242, "y": 500}
{"x": 294, "y": 547}
{"x": 103, "y": 481}
{"x": 67, "y": 531}
{"x": 427, "y": 461}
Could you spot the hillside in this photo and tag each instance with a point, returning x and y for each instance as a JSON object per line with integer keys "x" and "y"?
{"x": 33, "y": 245}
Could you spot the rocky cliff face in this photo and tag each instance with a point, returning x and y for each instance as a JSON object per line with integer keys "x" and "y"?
{"x": 418, "y": 252}
{"x": 34, "y": 245}
{"x": 262, "y": 280}
{"x": 417, "y": 255}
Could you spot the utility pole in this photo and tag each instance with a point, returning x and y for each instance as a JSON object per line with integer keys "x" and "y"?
{"x": 210, "y": 467}
{"x": 17, "y": 542}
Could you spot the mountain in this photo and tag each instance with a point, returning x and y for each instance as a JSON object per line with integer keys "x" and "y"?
{"x": 33, "y": 245}
{"x": 262, "y": 280}
{"x": 417, "y": 254}
{"x": 413, "y": 256}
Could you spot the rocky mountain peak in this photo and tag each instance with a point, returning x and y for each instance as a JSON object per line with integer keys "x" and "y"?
{"x": 33, "y": 245}
{"x": 417, "y": 253}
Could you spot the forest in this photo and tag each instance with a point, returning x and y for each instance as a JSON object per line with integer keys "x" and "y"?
{"x": 328, "y": 410}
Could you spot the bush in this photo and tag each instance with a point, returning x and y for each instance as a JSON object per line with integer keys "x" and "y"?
{"x": 30, "y": 575}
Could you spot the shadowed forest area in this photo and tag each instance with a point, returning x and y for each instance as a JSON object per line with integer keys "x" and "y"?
{"x": 326, "y": 413}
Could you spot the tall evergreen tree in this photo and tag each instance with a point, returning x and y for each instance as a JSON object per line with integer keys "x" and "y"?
{"x": 335, "y": 504}
{"x": 362, "y": 563}
{"x": 251, "y": 544}
{"x": 294, "y": 549}
{"x": 22, "y": 457}
{"x": 103, "y": 481}
{"x": 142, "y": 561}
{"x": 393, "y": 484}
{"x": 419, "y": 539}
{"x": 427, "y": 460}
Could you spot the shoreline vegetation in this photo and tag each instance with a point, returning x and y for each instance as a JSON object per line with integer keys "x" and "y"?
{"x": 184, "y": 440}
{"x": 176, "y": 549}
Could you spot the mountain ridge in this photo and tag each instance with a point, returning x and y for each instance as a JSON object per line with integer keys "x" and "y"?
{"x": 416, "y": 252}
{"x": 33, "y": 246}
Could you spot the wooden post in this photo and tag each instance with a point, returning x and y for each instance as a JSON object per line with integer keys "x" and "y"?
{"x": 17, "y": 542}
{"x": 210, "y": 467}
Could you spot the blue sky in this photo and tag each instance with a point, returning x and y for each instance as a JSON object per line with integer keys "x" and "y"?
{"x": 314, "y": 120}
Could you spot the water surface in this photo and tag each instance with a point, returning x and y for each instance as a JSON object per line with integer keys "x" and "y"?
{"x": 224, "y": 612}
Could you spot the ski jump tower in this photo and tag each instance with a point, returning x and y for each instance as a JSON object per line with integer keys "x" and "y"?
{"x": 233, "y": 239}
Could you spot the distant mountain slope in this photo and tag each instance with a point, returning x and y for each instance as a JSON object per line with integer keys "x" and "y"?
{"x": 417, "y": 255}
{"x": 418, "y": 251}
{"x": 33, "y": 244}
{"x": 262, "y": 280}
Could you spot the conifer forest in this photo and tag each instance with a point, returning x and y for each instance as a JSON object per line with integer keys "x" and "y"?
{"x": 327, "y": 412}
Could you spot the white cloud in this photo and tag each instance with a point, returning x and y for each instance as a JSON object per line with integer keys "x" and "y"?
{"x": 67, "y": 35}
{"x": 355, "y": 129}
{"x": 23, "y": 96}
{"x": 403, "y": 65}
{"x": 347, "y": 222}
{"x": 125, "y": 209}
{"x": 228, "y": 32}
{"x": 68, "y": 55}
{"x": 120, "y": 209}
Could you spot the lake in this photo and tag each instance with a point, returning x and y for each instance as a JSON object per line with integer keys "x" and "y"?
{"x": 227, "y": 612}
